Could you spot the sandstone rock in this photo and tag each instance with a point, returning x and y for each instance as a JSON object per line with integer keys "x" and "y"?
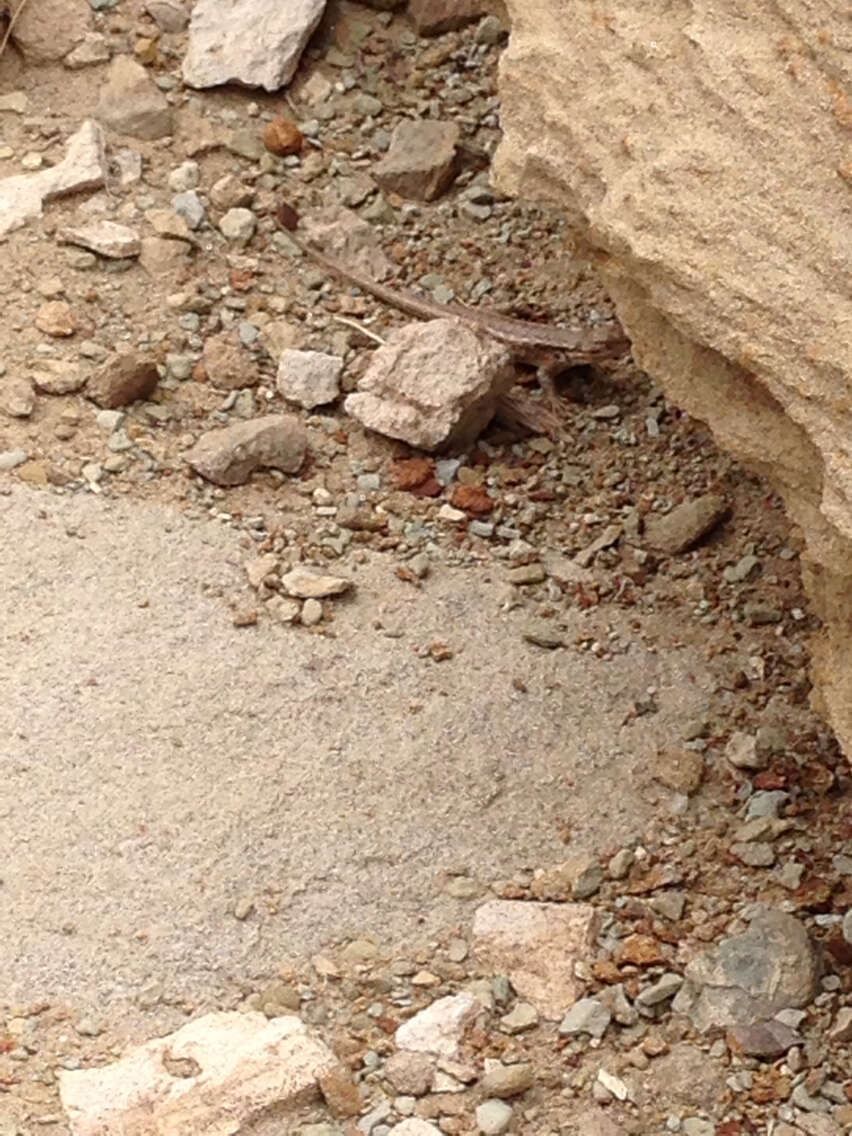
{"x": 439, "y": 1028}
{"x": 229, "y": 1069}
{"x": 228, "y": 366}
{"x": 130, "y": 103}
{"x": 122, "y": 380}
{"x": 230, "y": 193}
{"x": 254, "y": 42}
{"x": 56, "y": 376}
{"x": 83, "y": 167}
{"x": 421, "y": 161}
{"x": 107, "y": 238}
{"x": 16, "y": 397}
{"x": 537, "y": 946}
{"x": 45, "y": 32}
{"x": 231, "y": 455}
{"x": 724, "y": 268}
{"x": 750, "y": 977}
{"x": 306, "y": 584}
{"x": 56, "y": 318}
{"x": 432, "y": 384}
{"x": 309, "y": 378}
{"x": 415, "y": 1127}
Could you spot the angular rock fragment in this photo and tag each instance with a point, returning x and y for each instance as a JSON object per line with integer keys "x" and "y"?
{"x": 439, "y": 1028}
{"x": 220, "y": 1073}
{"x": 56, "y": 376}
{"x": 686, "y": 524}
{"x": 107, "y": 238}
{"x": 304, "y": 584}
{"x": 433, "y": 384}
{"x": 309, "y": 378}
{"x": 231, "y": 455}
{"x": 421, "y": 162}
{"x": 122, "y": 380}
{"x": 83, "y": 167}
{"x": 254, "y": 42}
{"x": 131, "y": 104}
{"x": 537, "y": 946}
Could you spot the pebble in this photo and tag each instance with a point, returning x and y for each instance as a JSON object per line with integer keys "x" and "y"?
{"x": 238, "y": 225}
{"x": 303, "y": 583}
{"x": 507, "y": 1080}
{"x": 56, "y": 318}
{"x": 311, "y": 613}
{"x": 493, "y": 1117}
{"x": 184, "y": 177}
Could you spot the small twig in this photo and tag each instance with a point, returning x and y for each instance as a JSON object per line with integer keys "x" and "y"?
{"x": 360, "y": 327}
{"x": 10, "y": 25}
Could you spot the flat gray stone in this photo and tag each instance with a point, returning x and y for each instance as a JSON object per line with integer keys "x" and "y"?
{"x": 750, "y": 977}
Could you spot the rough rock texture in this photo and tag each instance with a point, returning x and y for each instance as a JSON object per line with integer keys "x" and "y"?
{"x": 246, "y": 41}
{"x": 215, "y": 1075}
{"x": 130, "y": 103}
{"x": 22, "y": 196}
{"x": 701, "y": 153}
{"x": 432, "y": 384}
{"x": 231, "y": 455}
{"x": 536, "y": 945}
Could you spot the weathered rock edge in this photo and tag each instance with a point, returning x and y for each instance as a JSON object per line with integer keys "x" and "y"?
{"x": 702, "y": 156}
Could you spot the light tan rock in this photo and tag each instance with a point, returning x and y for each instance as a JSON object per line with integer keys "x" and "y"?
{"x": 432, "y": 384}
{"x": 216, "y": 1075}
{"x": 306, "y": 584}
{"x": 46, "y": 31}
{"x": 107, "y": 238}
{"x": 537, "y": 946}
{"x": 231, "y": 455}
{"x": 703, "y": 161}
{"x": 254, "y": 42}
{"x": 131, "y": 104}
{"x": 83, "y": 167}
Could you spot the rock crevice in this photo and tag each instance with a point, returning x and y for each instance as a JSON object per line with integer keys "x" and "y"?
{"x": 702, "y": 156}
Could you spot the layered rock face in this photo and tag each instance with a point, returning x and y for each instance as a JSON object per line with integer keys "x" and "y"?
{"x": 703, "y": 151}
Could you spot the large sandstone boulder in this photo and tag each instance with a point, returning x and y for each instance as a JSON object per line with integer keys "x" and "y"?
{"x": 703, "y": 155}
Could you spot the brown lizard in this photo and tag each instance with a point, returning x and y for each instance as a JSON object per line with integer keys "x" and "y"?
{"x": 550, "y": 349}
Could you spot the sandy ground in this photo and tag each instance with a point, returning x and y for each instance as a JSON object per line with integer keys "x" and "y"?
{"x": 160, "y": 765}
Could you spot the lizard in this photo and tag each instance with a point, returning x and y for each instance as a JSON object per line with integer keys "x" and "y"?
{"x": 548, "y": 348}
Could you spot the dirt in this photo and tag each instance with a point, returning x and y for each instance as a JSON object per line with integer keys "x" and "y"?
{"x": 192, "y": 807}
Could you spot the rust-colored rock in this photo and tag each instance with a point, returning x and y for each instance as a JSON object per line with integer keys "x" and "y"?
{"x": 282, "y": 136}
{"x": 670, "y": 146}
